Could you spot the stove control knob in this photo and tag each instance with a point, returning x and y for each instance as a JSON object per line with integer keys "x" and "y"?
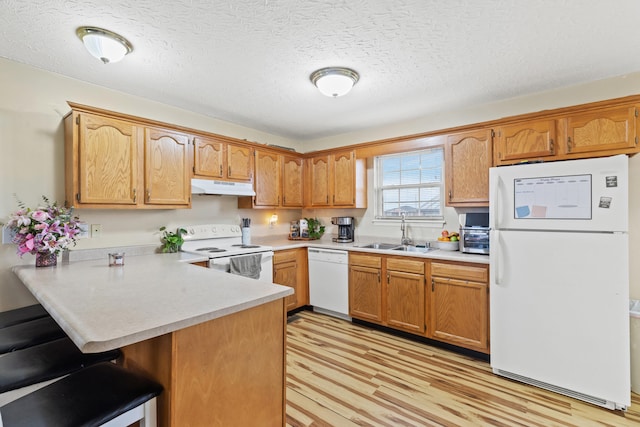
{"x": 192, "y": 231}
{"x": 213, "y": 229}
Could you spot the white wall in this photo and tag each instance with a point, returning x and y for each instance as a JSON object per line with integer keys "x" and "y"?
{"x": 33, "y": 103}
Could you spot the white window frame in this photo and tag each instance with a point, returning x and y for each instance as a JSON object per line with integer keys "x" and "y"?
{"x": 379, "y": 217}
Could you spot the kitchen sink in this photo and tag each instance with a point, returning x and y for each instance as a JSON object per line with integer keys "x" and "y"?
{"x": 397, "y": 247}
{"x": 380, "y": 246}
{"x": 412, "y": 248}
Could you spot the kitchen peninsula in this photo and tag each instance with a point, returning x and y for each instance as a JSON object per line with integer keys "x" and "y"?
{"x": 214, "y": 340}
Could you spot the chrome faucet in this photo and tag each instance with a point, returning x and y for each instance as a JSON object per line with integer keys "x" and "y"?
{"x": 405, "y": 240}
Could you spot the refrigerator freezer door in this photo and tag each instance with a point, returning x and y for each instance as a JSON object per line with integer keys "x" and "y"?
{"x": 578, "y": 195}
{"x": 559, "y": 311}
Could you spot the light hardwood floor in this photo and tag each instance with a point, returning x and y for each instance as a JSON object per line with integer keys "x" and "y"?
{"x": 342, "y": 374}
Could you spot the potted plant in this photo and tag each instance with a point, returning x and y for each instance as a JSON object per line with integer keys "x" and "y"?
{"x": 315, "y": 229}
{"x": 172, "y": 241}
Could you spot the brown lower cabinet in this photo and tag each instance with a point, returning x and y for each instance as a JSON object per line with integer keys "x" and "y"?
{"x": 290, "y": 269}
{"x": 442, "y": 300}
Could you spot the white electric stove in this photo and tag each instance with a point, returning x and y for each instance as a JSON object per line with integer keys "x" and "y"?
{"x": 221, "y": 242}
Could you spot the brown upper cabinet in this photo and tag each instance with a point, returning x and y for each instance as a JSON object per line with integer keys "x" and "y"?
{"x": 278, "y": 181}
{"x": 467, "y": 162}
{"x": 221, "y": 160}
{"x": 292, "y": 182}
{"x": 267, "y": 183}
{"x": 336, "y": 180}
{"x": 570, "y": 134}
{"x": 601, "y": 130}
{"x": 525, "y": 141}
{"x": 115, "y": 163}
{"x": 167, "y": 179}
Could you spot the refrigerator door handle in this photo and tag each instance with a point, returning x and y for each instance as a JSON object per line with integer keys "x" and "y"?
{"x": 495, "y": 258}
{"x": 497, "y": 208}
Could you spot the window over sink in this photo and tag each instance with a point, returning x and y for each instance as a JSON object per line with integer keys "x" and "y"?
{"x": 410, "y": 182}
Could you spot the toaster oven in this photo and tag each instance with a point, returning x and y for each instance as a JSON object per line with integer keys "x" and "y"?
{"x": 474, "y": 240}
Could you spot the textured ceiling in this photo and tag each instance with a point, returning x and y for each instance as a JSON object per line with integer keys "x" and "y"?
{"x": 249, "y": 61}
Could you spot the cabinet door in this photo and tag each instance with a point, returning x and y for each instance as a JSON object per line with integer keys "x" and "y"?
{"x": 523, "y": 141}
{"x": 267, "y": 183}
{"x": 108, "y": 161}
{"x": 208, "y": 158}
{"x": 166, "y": 163}
{"x": 365, "y": 293}
{"x": 468, "y": 159}
{"x": 459, "y": 313}
{"x": 406, "y": 301}
{"x": 239, "y": 163}
{"x": 292, "y": 174}
{"x": 344, "y": 179}
{"x": 601, "y": 130}
{"x": 319, "y": 181}
{"x": 286, "y": 274}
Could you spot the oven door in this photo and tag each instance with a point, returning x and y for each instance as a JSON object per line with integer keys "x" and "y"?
{"x": 266, "y": 273}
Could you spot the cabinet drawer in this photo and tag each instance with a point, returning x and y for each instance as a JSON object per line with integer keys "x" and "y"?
{"x": 365, "y": 260}
{"x": 406, "y": 265}
{"x": 284, "y": 256}
{"x": 462, "y": 272}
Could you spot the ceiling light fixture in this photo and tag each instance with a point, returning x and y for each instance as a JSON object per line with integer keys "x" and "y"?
{"x": 103, "y": 44}
{"x": 334, "y": 81}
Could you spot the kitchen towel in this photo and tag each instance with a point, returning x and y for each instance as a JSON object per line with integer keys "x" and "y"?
{"x": 247, "y": 266}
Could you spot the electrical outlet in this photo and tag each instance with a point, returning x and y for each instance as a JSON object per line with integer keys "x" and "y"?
{"x": 96, "y": 230}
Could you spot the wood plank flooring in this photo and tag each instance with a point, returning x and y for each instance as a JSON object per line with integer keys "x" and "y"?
{"x": 342, "y": 374}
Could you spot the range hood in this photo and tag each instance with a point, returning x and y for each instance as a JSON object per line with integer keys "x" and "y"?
{"x": 221, "y": 188}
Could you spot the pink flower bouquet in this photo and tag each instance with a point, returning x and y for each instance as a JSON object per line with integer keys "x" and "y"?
{"x": 50, "y": 228}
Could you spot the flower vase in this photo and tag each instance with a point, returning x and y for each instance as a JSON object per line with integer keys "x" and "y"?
{"x": 46, "y": 259}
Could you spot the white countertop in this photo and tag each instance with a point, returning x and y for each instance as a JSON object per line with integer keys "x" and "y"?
{"x": 103, "y": 308}
{"x": 280, "y": 243}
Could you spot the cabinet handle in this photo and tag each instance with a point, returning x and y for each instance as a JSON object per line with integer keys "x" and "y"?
{"x": 278, "y": 199}
{"x": 327, "y": 199}
{"x": 569, "y": 144}
{"x": 135, "y": 195}
{"x": 449, "y": 194}
{"x": 433, "y": 285}
{"x": 551, "y": 149}
{"x": 148, "y": 195}
{"x": 220, "y": 170}
{"x": 388, "y": 279}
{"x": 284, "y": 200}
{"x": 229, "y": 170}
{"x": 378, "y": 276}
{"x": 334, "y": 199}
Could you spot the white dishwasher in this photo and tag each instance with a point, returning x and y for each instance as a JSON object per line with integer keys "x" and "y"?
{"x": 329, "y": 281}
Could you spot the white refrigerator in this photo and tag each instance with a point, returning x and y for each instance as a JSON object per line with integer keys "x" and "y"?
{"x": 559, "y": 291}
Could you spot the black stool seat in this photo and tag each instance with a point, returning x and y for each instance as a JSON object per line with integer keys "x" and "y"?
{"x": 24, "y": 314}
{"x": 46, "y": 361}
{"x": 29, "y": 333}
{"x": 89, "y": 397}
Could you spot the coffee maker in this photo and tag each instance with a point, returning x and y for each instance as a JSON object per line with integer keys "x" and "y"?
{"x": 345, "y": 228}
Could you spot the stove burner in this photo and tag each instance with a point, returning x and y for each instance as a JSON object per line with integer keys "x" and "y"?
{"x": 246, "y": 246}
{"x": 211, "y": 250}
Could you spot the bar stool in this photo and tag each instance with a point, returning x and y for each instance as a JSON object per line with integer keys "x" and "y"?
{"x": 23, "y": 314}
{"x": 103, "y": 394}
{"x": 46, "y": 361}
{"x": 27, "y": 334}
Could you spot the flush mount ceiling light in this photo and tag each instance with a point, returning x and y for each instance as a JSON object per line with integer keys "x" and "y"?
{"x": 334, "y": 81}
{"x": 103, "y": 44}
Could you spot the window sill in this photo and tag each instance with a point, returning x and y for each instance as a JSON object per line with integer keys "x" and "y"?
{"x": 434, "y": 223}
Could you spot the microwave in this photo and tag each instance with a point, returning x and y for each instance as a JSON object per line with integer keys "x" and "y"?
{"x": 474, "y": 240}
